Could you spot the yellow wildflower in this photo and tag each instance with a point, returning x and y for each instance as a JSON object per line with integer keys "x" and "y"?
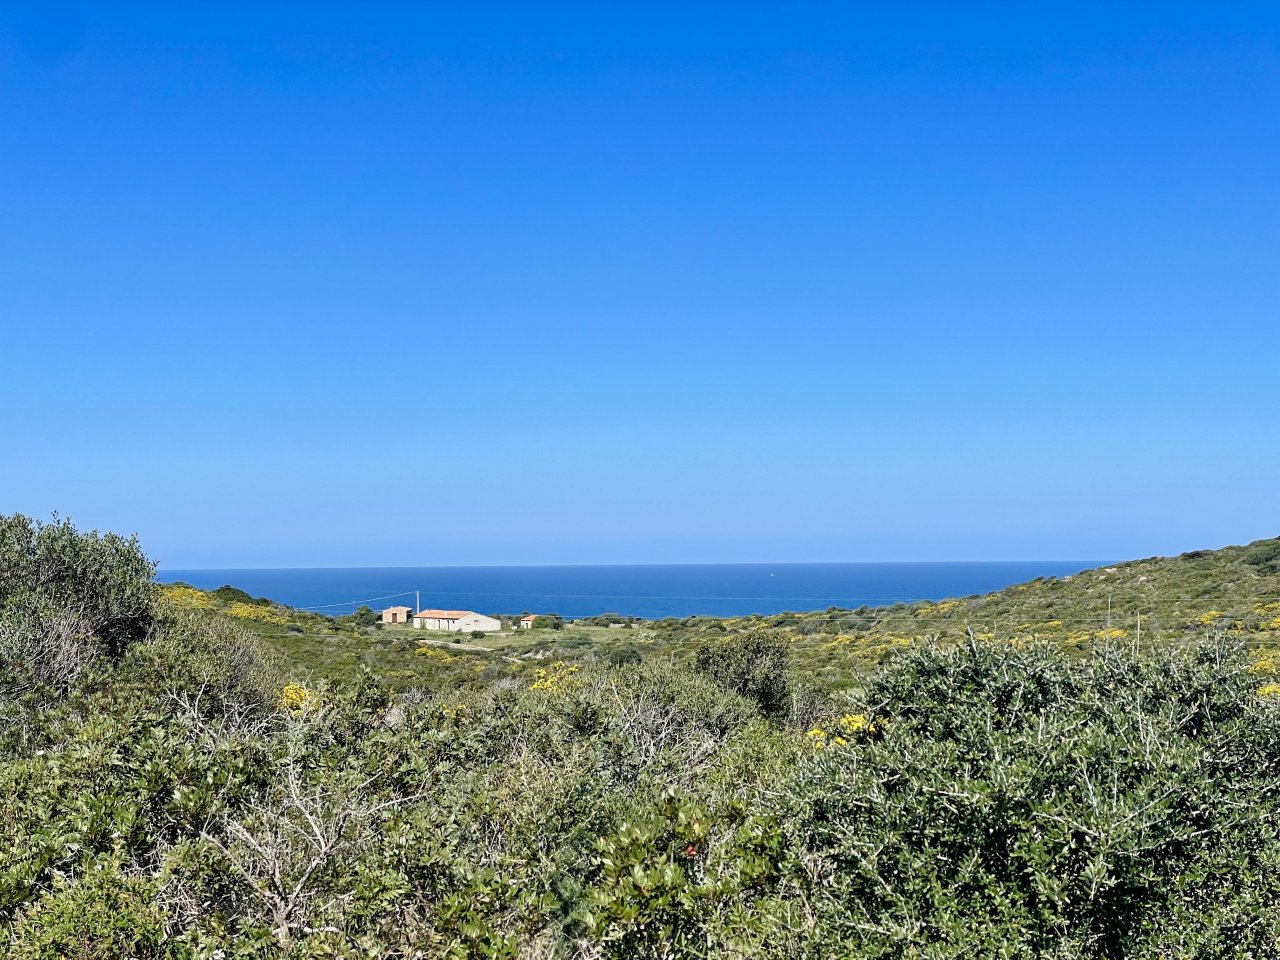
{"x": 253, "y": 611}
{"x": 435, "y": 653}
{"x": 188, "y": 597}
{"x": 294, "y": 697}
{"x": 559, "y": 678}
{"x": 856, "y": 723}
{"x": 1265, "y": 664}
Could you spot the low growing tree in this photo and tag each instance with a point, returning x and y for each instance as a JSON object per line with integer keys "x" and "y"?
{"x": 753, "y": 665}
{"x": 101, "y": 580}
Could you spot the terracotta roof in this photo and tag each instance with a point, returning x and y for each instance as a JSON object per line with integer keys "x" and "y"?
{"x": 443, "y": 614}
{"x": 532, "y": 616}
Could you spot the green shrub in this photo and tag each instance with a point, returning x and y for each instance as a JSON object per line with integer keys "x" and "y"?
{"x": 1018, "y": 802}
{"x": 363, "y": 616}
{"x": 104, "y": 580}
{"x": 230, "y": 594}
{"x": 99, "y": 915}
{"x": 623, "y": 654}
{"x": 754, "y": 665}
{"x": 1265, "y": 555}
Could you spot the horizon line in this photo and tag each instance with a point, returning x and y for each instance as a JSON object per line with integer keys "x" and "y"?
{"x": 706, "y": 563}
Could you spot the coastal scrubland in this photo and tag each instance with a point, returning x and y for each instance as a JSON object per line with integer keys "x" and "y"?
{"x": 1031, "y": 773}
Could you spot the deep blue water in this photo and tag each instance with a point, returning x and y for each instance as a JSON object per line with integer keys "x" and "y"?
{"x": 649, "y": 591}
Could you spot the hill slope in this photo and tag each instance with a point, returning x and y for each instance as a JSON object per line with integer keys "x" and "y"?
{"x": 1234, "y": 590}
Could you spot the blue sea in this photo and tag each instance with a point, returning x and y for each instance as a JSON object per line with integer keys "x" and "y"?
{"x": 648, "y": 591}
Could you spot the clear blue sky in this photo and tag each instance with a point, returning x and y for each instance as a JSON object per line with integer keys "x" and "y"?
{"x": 346, "y": 284}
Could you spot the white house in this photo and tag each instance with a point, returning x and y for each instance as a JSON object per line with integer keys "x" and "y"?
{"x": 457, "y": 621}
{"x": 527, "y": 621}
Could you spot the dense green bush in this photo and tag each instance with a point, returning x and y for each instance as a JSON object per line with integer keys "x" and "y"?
{"x": 754, "y": 665}
{"x": 102, "y": 581}
{"x": 622, "y": 654}
{"x": 1265, "y": 555}
{"x": 1038, "y": 805}
{"x": 100, "y": 914}
{"x": 364, "y": 616}
{"x": 67, "y": 599}
{"x": 230, "y": 594}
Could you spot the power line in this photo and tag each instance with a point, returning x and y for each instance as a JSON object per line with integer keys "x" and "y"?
{"x": 350, "y": 603}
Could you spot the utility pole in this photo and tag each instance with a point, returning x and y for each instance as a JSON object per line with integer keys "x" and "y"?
{"x": 417, "y": 601}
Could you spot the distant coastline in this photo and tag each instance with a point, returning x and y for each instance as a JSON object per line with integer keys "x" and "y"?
{"x": 651, "y": 591}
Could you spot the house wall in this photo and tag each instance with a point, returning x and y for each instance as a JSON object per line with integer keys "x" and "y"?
{"x": 478, "y": 621}
{"x": 472, "y": 621}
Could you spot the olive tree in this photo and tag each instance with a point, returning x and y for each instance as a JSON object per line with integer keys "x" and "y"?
{"x": 102, "y": 581}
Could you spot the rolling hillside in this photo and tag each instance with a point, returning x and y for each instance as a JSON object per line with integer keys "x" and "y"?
{"x": 1233, "y": 591}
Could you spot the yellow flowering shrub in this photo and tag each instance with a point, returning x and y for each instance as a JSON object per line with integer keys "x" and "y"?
{"x": 856, "y": 723}
{"x": 560, "y": 677}
{"x": 1264, "y": 664}
{"x": 849, "y": 725}
{"x": 1269, "y": 690}
{"x": 252, "y": 611}
{"x": 1208, "y": 618}
{"x": 294, "y": 697}
{"x": 819, "y": 740}
{"x": 1111, "y": 633}
{"x": 188, "y": 597}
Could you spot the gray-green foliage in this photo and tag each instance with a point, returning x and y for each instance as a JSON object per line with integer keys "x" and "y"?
{"x": 987, "y": 800}
{"x": 1119, "y": 806}
{"x": 102, "y": 581}
{"x": 753, "y": 665}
